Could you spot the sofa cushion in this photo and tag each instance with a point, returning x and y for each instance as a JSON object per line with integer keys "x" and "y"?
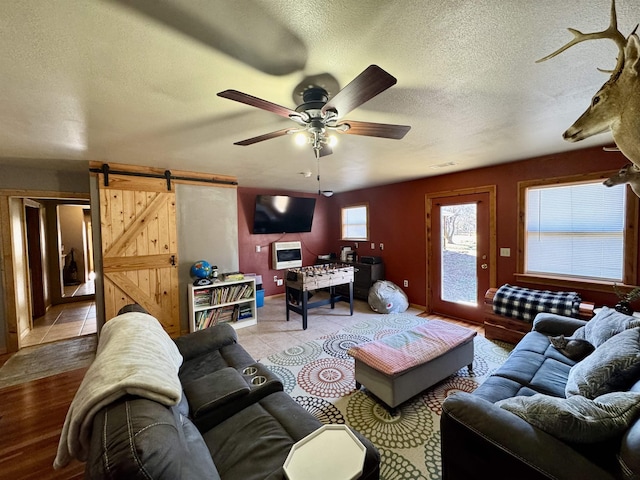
{"x": 214, "y": 390}
{"x": 604, "y": 325}
{"x": 232, "y": 355}
{"x": 497, "y": 388}
{"x": 202, "y": 341}
{"x": 629, "y": 455}
{"x": 137, "y": 438}
{"x": 578, "y": 419}
{"x": 614, "y": 365}
{"x": 551, "y": 378}
{"x": 254, "y": 444}
{"x": 537, "y": 342}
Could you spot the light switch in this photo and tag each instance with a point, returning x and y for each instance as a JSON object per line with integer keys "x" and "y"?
{"x": 505, "y": 252}
{"x": 373, "y": 246}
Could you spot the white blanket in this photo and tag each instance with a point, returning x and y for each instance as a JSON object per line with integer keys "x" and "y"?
{"x": 134, "y": 356}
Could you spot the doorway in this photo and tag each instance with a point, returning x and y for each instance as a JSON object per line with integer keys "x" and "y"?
{"x": 36, "y": 308}
{"x": 461, "y": 251}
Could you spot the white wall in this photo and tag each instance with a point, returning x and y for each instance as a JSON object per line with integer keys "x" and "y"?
{"x": 207, "y": 230}
{"x": 71, "y": 227}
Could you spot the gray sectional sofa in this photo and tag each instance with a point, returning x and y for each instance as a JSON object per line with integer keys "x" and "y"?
{"x": 544, "y": 415}
{"x": 233, "y": 421}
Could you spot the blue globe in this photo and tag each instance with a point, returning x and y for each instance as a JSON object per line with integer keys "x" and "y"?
{"x": 201, "y": 269}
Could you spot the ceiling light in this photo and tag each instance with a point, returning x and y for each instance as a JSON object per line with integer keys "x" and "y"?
{"x": 327, "y": 193}
{"x": 333, "y": 140}
{"x": 301, "y": 139}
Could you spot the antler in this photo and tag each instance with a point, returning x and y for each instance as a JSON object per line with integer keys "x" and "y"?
{"x": 611, "y": 32}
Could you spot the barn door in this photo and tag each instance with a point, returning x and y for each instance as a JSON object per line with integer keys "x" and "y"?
{"x": 139, "y": 247}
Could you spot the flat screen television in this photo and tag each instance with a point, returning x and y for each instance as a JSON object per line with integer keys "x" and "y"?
{"x": 283, "y": 214}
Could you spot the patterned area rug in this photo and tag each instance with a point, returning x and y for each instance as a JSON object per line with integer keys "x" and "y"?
{"x": 320, "y": 376}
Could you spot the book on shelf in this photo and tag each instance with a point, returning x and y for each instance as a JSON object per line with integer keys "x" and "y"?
{"x": 229, "y": 313}
{"x": 226, "y": 294}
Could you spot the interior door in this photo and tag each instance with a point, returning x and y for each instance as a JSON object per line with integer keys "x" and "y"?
{"x": 460, "y": 263}
{"x": 139, "y": 247}
{"x": 34, "y": 256}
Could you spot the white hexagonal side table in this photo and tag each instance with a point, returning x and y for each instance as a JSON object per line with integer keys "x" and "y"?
{"x": 332, "y": 451}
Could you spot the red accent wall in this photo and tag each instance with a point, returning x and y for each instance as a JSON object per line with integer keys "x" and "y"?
{"x": 397, "y": 219}
{"x": 314, "y": 243}
{"x": 397, "y": 214}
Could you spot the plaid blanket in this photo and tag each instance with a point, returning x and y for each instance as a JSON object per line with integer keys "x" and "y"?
{"x": 525, "y": 304}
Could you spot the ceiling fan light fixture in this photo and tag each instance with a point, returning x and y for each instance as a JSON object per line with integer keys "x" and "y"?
{"x": 327, "y": 193}
{"x": 301, "y": 138}
{"x": 333, "y": 140}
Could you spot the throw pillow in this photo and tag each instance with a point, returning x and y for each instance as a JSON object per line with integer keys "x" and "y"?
{"x": 577, "y": 419}
{"x": 613, "y": 366}
{"x": 572, "y": 348}
{"x": 604, "y": 325}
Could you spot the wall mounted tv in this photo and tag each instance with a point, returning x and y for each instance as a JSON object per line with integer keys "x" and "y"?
{"x": 283, "y": 214}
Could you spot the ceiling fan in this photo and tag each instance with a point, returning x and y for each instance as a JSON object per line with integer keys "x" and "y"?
{"x": 318, "y": 114}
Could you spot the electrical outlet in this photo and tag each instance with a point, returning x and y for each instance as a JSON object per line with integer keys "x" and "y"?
{"x": 406, "y": 283}
{"x": 382, "y": 246}
{"x": 279, "y": 282}
{"x": 275, "y": 278}
{"x": 373, "y": 246}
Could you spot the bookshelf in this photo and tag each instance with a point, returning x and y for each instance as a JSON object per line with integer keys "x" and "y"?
{"x": 231, "y": 301}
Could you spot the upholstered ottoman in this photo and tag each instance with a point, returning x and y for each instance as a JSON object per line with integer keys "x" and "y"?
{"x": 397, "y": 367}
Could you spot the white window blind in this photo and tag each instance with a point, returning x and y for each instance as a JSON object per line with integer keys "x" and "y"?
{"x": 354, "y": 223}
{"x": 576, "y": 230}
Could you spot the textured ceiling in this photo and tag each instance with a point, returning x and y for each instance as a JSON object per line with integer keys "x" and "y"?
{"x": 126, "y": 81}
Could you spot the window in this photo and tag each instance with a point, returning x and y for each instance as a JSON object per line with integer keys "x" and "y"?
{"x": 577, "y": 230}
{"x": 355, "y": 222}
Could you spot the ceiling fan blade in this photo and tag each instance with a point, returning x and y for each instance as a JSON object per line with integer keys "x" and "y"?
{"x": 364, "y": 87}
{"x": 258, "y": 103}
{"x": 369, "y": 129}
{"x": 272, "y": 47}
{"x": 261, "y": 138}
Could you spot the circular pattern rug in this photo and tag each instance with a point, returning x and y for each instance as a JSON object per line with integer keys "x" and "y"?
{"x": 328, "y": 377}
{"x": 320, "y": 376}
{"x": 338, "y": 345}
{"x": 297, "y": 355}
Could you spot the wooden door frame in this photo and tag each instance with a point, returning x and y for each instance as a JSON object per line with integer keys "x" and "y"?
{"x": 12, "y": 339}
{"x": 489, "y": 189}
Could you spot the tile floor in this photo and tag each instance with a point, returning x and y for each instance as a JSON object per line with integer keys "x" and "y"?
{"x": 86, "y": 288}
{"x": 273, "y": 333}
{"x": 62, "y": 321}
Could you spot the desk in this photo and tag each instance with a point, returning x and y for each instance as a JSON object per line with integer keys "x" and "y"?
{"x": 299, "y": 281}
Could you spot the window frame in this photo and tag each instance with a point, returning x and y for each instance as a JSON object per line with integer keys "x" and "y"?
{"x": 342, "y": 223}
{"x": 630, "y": 251}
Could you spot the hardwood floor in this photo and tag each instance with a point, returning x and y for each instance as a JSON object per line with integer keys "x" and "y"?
{"x": 31, "y": 419}
{"x": 32, "y": 415}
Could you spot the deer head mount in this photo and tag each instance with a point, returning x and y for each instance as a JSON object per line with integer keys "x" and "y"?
{"x": 630, "y": 174}
{"x": 616, "y": 106}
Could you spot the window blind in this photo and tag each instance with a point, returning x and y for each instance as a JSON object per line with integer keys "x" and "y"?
{"x": 576, "y": 230}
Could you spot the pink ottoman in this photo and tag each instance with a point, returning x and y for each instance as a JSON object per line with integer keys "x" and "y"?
{"x": 397, "y": 367}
